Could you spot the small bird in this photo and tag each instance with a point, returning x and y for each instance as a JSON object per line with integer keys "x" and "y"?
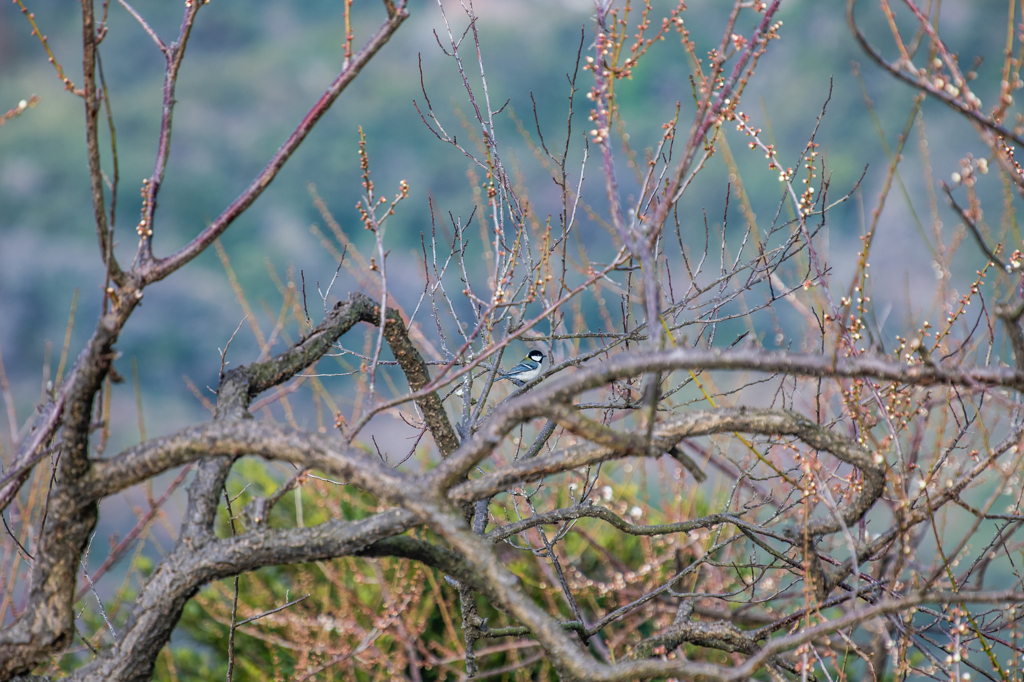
{"x": 525, "y": 371}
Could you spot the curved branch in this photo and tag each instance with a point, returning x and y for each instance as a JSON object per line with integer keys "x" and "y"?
{"x": 597, "y": 512}
{"x": 236, "y": 438}
{"x": 721, "y": 635}
{"x": 239, "y": 386}
{"x": 159, "y": 605}
{"x": 923, "y": 510}
{"x": 533, "y": 404}
{"x": 528, "y": 470}
{"x": 428, "y": 554}
{"x": 700, "y": 423}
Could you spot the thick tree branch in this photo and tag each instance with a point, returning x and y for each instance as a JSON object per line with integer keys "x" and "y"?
{"x": 71, "y": 408}
{"x": 428, "y": 554}
{"x": 47, "y": 625}
{"x": 925, "y": 509}
{"x": 624, "y": 443}
{"x": 239, "y": 386}
{"x": 249, "y": 437}
{"x": 159, "y": 605}
{"x": 721, "y": 635}
{"x": 47, "y": 622}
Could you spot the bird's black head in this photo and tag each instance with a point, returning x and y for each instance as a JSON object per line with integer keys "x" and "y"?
{"x": 535, "y": 355}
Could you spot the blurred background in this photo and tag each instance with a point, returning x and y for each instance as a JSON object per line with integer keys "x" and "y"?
{"x": 252, "y": 71}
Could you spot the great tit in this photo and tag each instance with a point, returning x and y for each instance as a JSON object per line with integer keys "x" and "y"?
{"x": 525, "y": 371}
